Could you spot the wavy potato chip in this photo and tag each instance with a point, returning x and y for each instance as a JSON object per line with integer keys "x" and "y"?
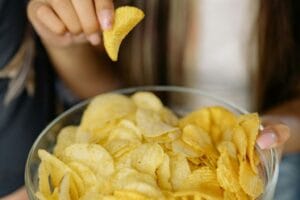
{"x": 147, "y": 100}
{"x": 130, "y": 179}
{"x": 147, "y": 158}
{"x": 91, "y": 155}
{"x": 164, "y": 174}
{"x": 250, "y": 182}
{"x": 151, "y": 125}
{"x": 250, "y": 123}
{"x": 198, "y": 139}
{"x": 102, "y": 111}
{"x": 57, "y": 170}
{"x": 126, "y": 18}
{"x": 226, "y": 172}
{"x": 180, "y": 170}
{"x": 239, "y": 138}
{"x": 130, "y": 195}
{"x": 65, "y": 138}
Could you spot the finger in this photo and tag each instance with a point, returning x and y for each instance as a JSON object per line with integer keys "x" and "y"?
{"x": 273, "y": 136}
{"x": 45, "y": 15}
{"x": 85, "y": 10}
{"x": 105, "y": 13}
{"x": 66, "y": 12}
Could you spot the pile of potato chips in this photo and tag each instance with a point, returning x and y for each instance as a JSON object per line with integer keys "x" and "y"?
{"x": 135, "y": 148}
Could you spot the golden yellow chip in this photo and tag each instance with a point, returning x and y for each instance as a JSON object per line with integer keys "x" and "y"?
{"x": 130, "y": 195}
{"x": 229, "y": 147}
{"x": 168, "y": 116}
{"x": 126, "y": 18}
{"x": 179, "y": 146}
{"x": 130, "y": 179}
{"x": 65, "y": 138}
{"x": 57, "y": 170}
{"x": 164, "y": 174}
{"x": 64, "y": 188}
{"x": 198, "y": 139}
{"x": 250, "y": 182}
{"x": 151, "y": 125}
{"x": 227, "y": 172}
{"x": 147, "y": 158}
{"x": 180, "y": 170}
{"x": 102, "y": 111}
{"x": 44, "y": 185}
{"x": 147, "y": 100}
{"x": 200, "y": 118}
{"x": 250, "y": 123}
{"x": 91, "y": 155}
{"x": 240, "y": 140}
{"x": 200, "y": 177}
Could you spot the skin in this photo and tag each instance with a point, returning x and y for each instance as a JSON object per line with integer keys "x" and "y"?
{"x": 70, "y": 31}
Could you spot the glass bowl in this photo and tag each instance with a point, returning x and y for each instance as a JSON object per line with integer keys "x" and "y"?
{"x": 181, "y": 100}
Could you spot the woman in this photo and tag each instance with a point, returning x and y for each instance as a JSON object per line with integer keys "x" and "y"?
{"x": 65, "y": 26}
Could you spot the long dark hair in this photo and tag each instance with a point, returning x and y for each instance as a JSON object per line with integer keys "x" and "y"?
{"x": 279, "y": 52}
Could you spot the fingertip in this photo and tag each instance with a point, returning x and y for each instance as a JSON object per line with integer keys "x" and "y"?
{"x": 267, "y": 139}
{"x": 105, "y": 18}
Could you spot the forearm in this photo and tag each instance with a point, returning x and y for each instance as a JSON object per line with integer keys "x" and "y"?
{"x": 289, "y": 114}
{"x": 82, "y": 69}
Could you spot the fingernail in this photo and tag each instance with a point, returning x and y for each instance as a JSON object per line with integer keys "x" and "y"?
{"x": 94, "y": 39}
{"x": 105, "y": 18}
{"x": 267, "y": 139}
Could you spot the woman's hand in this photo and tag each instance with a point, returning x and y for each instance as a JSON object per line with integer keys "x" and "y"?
{"x": 275, "y": 134}
{"x": 62, "y": 23}
{"x": 20, "y": 194}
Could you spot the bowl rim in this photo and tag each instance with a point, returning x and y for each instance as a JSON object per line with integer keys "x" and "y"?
{"x": 159, "y": 88}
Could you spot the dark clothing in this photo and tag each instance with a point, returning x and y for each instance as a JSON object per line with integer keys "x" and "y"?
{"x": 23, "y": 118}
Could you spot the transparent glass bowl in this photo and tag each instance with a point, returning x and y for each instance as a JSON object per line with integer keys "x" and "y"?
{"x": 180, "y": 100}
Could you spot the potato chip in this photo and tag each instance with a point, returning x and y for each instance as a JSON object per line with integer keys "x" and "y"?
{"x": 64, "y": 188}
{"x": 180, "y": 170}
{"x": 130, "y": 179}
{"x": 88, "y": 177}
{"x": 91, "y": 155}
{"x": 102, "y": 111}
{"x": 241, "y": 195}
{"x": 57, "y": 170}
{"x": 200, "y": 177}
{"x": 164, "y": 174}
{"x": 229, "y": 195}
{"x": 151, "y": 125}
{"x": 44, "y": 185}
{"x": 250, "y": 182}
{"x": 65, "y": 138}
{"x": 179, "y": 146}
{"x": 240, "y": 140}
{"x": 131, "y": 195}
{"x": 226, "y": 172}
{"x": 229, "y": 147}
{"x": 165, "y": 138}
{"x": 126, "y": 18}
{"x": 199, "y": 118}
{"x": 147, "y": 158}
{"x": 250, "y": 123}
{"x": 147, "y": 100}
{"x": 168, "y": 116}
{"x": 198, "y": 139}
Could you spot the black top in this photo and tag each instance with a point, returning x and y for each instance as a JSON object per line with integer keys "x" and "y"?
{"x": 23, "y": 119}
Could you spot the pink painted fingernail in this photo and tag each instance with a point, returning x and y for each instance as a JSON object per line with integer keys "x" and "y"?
{"x": 105, "y": 18}
{"x": 267, "y": 139}
{"x": 94, "y": 39}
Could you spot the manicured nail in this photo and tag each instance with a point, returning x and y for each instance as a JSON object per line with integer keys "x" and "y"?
{"x": 267, "y": 139}
{"x": 94, "y": 39}
{"x": 105, "y": 18}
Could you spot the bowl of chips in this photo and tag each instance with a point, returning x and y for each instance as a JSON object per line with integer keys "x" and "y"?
{"x": 156, "y": 142}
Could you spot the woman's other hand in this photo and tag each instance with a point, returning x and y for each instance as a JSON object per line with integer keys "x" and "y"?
{"x": 63, "y": 23}
{"x": 273, "y": 135}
